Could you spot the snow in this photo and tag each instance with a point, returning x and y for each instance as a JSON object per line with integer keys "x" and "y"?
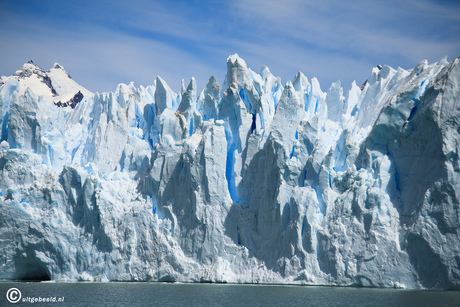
{"x": 53, "y": 85}
{"x": 248, "y": 182}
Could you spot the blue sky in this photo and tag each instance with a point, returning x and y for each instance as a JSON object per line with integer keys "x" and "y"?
{"x": 103, "y": 43}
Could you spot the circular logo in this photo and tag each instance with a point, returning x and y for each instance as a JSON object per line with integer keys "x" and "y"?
{"x": 13, "y": 295}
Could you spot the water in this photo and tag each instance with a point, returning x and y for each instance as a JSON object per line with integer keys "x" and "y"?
{"x": 162, "y": 294}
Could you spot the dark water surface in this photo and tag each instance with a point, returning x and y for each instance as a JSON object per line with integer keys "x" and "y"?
{"x": 162, "y": 294}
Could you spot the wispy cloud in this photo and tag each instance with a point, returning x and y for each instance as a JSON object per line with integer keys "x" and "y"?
{"x": 362, "y": 28}
{"x": 341, "y": 33}
{"x": 99, "y": 57}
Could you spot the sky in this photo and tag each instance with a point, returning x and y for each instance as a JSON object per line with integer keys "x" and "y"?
{"x": 104, "y": 43}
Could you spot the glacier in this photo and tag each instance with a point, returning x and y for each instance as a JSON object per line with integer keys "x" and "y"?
{"x": 245, "y": 182}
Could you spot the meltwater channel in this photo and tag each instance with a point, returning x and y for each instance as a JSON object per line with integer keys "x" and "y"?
{"x": 177, "y": 294}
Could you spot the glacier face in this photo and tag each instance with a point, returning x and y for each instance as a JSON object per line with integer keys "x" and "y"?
{"x": 251, "y": 182}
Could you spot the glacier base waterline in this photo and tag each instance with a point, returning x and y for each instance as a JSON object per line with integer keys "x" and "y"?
{"x": 248, "y": 182}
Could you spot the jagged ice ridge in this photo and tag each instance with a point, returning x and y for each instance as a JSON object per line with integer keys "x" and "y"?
{"x": 248, "y": 182}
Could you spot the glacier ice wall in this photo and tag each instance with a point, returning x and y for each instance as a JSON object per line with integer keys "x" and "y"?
{"x": 251, "y": 182}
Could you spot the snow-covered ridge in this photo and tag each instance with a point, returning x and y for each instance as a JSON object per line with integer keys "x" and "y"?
{"x": 54, "y": 85}
{"x": 249, "y": 182}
